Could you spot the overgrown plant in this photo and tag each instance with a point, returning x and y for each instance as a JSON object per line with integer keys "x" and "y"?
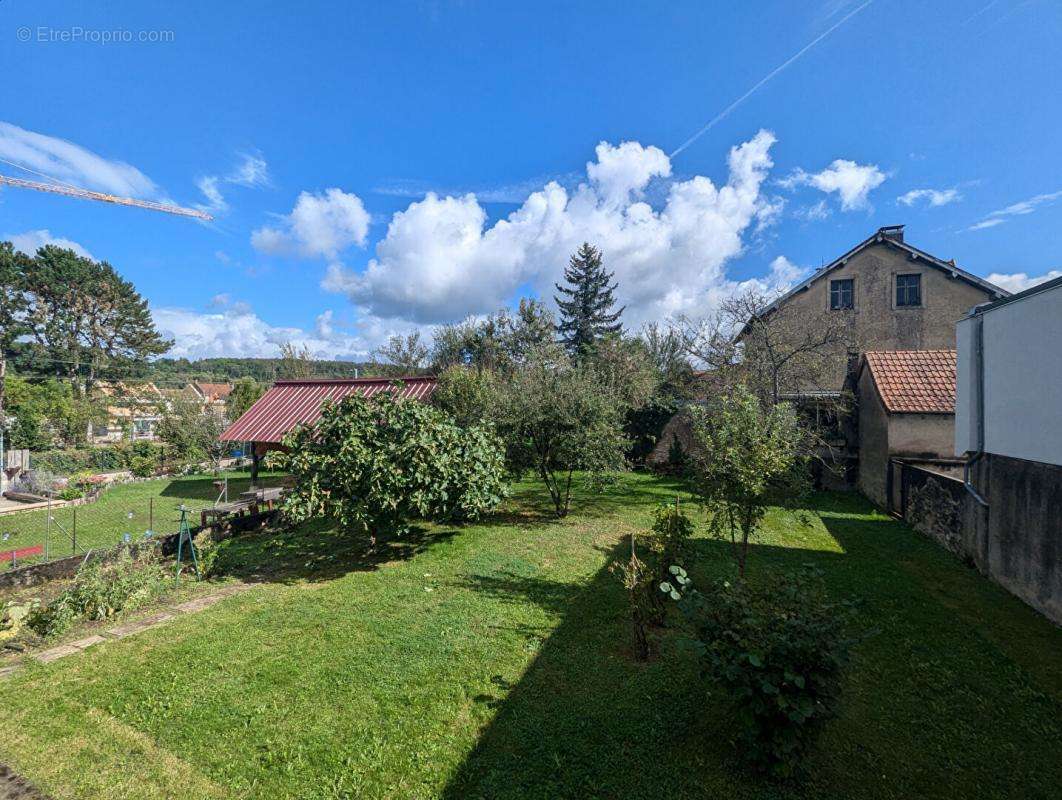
{"x": 666, "y": 546}
{"x": 100, "y": 591}
{"x": 749, "y": 457}
{"x": 779, "y": 649}
{"x": 373, "y": 464}
{"x": 638, "y": 580}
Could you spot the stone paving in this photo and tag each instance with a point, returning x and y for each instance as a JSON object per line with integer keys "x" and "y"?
{"x": 128, "y": 629}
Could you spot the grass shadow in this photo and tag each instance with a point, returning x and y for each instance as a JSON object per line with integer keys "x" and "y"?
{"x": 316, "y": 552}
{"x": 929, "y": 701}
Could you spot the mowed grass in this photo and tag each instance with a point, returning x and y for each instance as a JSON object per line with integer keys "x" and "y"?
{"x": 493, "y": 661}
{"x": 128, "y": 508}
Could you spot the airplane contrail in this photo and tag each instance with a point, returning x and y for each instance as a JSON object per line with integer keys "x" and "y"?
{"x": 726, "y": 111}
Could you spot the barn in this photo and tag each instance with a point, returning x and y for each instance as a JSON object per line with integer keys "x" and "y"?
{"x": 298, "y": 402}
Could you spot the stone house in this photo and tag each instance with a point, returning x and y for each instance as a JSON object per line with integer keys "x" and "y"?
{"x": 891, "y": 296}
{"x": 906, "y": 409}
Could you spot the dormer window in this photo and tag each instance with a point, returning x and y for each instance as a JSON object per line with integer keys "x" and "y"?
{"x": 908, "y": 291}
{"x": 841, "y": 295}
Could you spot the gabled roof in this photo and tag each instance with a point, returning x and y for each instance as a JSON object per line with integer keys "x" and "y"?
{"x": 891, "y": 235}
{"x": 213, "y": 391}
{"x": 913, "y": 381}
{"x": 291, "y": 403}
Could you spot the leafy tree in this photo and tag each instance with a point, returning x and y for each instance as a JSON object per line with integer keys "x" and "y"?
{"x": 48, "y": 411}
{"x": 296, "y": 362}
{"x": 586, "y": 301}
{"x": 498, "y": 342}
{"x": 407, "y": 353}
{"x": 84, "y": 316}
{"x": 372, "y": 464}
{"x": 13, "y": 304}
{"x": 245, "y": 391}
{"x": 191, "y": 433}
{"x": 749, "y": 458}
{"x": 466, "y": 394}
{"x": 555, "y": 418}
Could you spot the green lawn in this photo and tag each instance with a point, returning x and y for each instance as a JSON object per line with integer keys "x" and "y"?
{"x": 492, "y": 661}
{"x": 131, "y": 508}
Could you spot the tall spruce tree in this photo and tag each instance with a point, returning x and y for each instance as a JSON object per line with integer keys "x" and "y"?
{"x": 586, "y": 302}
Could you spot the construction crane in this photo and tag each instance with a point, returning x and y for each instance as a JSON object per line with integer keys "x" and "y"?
{"x": 85, "y": 194}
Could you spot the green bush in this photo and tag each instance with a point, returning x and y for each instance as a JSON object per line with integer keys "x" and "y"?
{"x": 779, "y": 649}
{"x": 143, "y": 467}
{"x": 373, "y": 464}
{"x": 98, "y": 592}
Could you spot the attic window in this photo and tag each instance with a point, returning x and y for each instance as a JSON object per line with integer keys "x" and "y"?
{"x": 908, "y": 291}
{"x": 841, "y": 295}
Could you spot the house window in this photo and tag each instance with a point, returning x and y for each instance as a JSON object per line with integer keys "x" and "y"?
{"x": 841, "y": 296}
{"x": 908, "y": 290}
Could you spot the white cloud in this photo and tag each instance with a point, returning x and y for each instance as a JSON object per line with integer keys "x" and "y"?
{"x": 813, "y": 213}
{"x": 215, "y": 203}
{"x": 235, "y": 330}
{"x": 31, "y": 241}
{"x": 1015, "y": 210}
{"x": 1019, "y": 281}
{"x": 852, "y": 182}
{"x": 932, "y": 197}
{"x": 440, "y": 260}
{"x": 318, "y": 225}
{"x": 252, "y": 172}
{"x": 71, "y": 163}
{"x": 784, "y": 273}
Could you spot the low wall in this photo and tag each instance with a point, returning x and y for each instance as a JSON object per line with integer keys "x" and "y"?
{"x": 36, "y": 574}
{"x": 1016, "y": 540}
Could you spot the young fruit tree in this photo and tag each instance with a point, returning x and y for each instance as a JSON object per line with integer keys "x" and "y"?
{"x": 751, "y": 456}
{"x": 557, "y": 417}
{"x": 374, "y": 464}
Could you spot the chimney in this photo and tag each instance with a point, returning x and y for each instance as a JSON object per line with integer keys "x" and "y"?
{"x": 893, "y": 232}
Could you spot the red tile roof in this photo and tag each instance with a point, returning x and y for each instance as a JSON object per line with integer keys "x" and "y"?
{"x": 290, "y": 403}
{"x": 914, "y": 381}
{"x": 214, "y": 391}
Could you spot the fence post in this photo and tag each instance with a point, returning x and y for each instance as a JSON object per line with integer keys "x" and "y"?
{"x": 73, "y": 534}
{"x": 48, "y": 531}
{"x": 151, "y": 514}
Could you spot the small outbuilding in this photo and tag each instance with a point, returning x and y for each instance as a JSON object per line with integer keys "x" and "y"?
{"x": 298, "y": 402}
{"x": 906, "y": 404}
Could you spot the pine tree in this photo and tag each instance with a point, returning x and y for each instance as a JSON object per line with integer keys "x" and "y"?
{"x": 586, "y": 302}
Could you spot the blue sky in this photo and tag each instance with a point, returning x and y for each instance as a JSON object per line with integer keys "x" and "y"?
{"x": 314, "y": 133}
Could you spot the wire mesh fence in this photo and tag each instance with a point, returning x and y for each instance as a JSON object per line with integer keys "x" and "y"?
{"x": 123, "y": 513}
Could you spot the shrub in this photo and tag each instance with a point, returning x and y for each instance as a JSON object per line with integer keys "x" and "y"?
{"x": 779, "y": 650}
{"x": 98, "y": 592}
{"x": 373, "y": 464}
{"x": 143, "y": 467}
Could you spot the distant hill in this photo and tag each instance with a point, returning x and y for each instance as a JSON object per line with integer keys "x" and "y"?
{"x": 264, "y": 370}
{"x": 179, "y": 371}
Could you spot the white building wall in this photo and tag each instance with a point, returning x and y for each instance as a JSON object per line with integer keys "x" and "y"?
{"x": 1022, "y": 379}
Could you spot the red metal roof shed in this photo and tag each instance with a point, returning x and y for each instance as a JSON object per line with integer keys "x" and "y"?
{"x": 290, "y": 403}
